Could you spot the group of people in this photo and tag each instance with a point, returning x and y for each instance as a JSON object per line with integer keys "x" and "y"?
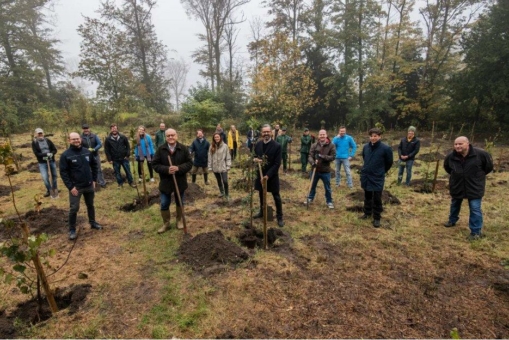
{"x": 80, "y": 167}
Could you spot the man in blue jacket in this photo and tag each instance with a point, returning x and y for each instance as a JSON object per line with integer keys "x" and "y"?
{"x": 200, "y": 149}
{"x": 378, "y": 160}
{"x": 409, "y": 146}
{"x": 93, "y": 143}
{"x": 78, "y": 170}
{"x": 345, "y": 150}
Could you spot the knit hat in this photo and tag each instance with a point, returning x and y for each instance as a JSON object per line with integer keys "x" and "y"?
{"x": 412, "y": 128}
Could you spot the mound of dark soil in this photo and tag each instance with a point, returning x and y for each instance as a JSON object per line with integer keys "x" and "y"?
{"x": 71, "y": 298}
{"x": 139, "y": 204}
{"x": 109, "y": 175}
{"x": 5, "y": 190}
{"x": 210, "y": 250}
{"x": 252, "y": 238}
{"x": 387, "y": 197}
{"x": 33, "y": 167}
{"x": 424, "y": 186}
{"x": 430, "y": 157}
{"x": 24, "y": 146}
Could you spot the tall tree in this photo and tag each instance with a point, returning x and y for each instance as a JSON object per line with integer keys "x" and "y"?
{"x": 176, "y": 73}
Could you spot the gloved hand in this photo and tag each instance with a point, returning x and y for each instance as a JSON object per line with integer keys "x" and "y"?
{"x": 49, "y": 154}
{"x": 45, "y": 158}
{"x": 91, "y": 149}
{"x": 313, "y": 165}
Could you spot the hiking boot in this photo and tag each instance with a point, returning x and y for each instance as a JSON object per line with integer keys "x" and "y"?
{"x": 180, "y": 224}
{"x": 165, "y": 214}
{"x": 280, "y": 222}
{"x": 475, "y": 237}
{"x": 308, "y": 201}
{"x": 376, "y": 223}
{"x": 96, "y": 226}
{"x": 120, "y": 186}
{"x": 132, "y": 185}
{"x": 72, "y": 235}
{"x": 364, "y": 217}
{"x": 449, "y": 224}
{"x": 47, "y": 194}
{"x": 258, "y": 215}
{"x": 221, "y": 195}
{"x": 330, "y": 205}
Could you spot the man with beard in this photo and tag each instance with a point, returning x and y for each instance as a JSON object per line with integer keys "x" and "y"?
{"x": 268, "y": 153}
{"x": 45, "y": 151}
{"x": 200, "y": 149}
{"x": 117, "y": 151}
{"x": 78, "y": 169}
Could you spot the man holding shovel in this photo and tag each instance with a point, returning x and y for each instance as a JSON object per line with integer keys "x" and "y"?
{"x": 45, "y": 151}
{"x": 172, "y": 162}
{"x": 268, "y": 153}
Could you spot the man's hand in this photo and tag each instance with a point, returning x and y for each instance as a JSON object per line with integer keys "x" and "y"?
{"x": 45, "y": 158}
{"x": 91, "y": 149}
{"x": 404, "y": 157}
{"x": 258, "y": 160}
{"x": 93, "y": 184}
{"x": 173, "y": 169}
{"x": 111, "y": 162}
{"x": 74, "y": 191}
{"x": 264, "y": 177}
{"x": 49, "y": 154}
{"x": 349, "y": 158}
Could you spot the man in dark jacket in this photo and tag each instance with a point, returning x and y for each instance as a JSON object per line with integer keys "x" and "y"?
{"x": 321, "y": 154}
{"x": 93, "y": 143}
{"x": 305, "y": 146}
{"x": 45, "y": 151}
{"x": 200, "y": 149}
{"x": 378, "y": 160}
{"x": 160, "y": 137}
{"x": 252, "y": 137}
{"x": 268, "y": 153}
{"x": 468, "y": 167}
{"x": 283, "y": 139}
{"x": 408, "y": 147}
{"x": 78, "y": 170}
{"x": 181, "y": 163}
{"x": 117, "y": 151}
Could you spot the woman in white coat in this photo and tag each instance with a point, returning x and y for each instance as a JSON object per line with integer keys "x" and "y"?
{"x": 219, "y": 163}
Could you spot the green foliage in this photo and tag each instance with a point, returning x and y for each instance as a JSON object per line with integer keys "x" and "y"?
{"x": 201, "y": 114}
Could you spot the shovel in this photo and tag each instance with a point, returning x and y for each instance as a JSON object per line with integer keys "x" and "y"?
{"x": 53, "y": 192}
{"x": 310, "y": 185}
{"x": 177, "y": 191}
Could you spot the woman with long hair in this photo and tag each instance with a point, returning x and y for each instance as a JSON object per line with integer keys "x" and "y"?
{"x": 219, "y": 163}
{"x": 144, "y": 150}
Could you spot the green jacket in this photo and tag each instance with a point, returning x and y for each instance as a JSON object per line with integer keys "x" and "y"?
{"x": 283, "y": 140}
{"x": 305, "y": 143}
{"x": 160, "y": 138}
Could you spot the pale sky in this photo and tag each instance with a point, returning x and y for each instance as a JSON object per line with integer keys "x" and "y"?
{"x": 173, "y": 28}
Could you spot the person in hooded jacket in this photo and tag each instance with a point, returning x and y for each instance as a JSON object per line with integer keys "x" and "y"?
{"x": 409, "y": 146}
{"x": 378, "y": 160}
{"x": 322, "y": 153}
{"x": 220, "y": 162}
{"x": 45, "y": 151}
{"x": 144, "y": 150}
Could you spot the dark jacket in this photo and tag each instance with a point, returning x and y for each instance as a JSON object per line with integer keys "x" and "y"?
{"x": 378, "y": 160}
{"x": 161, "y": 165}
{"x": 468, "y": 175}
{"x": 117, "y": 150}
{"x": 91, "y": 141}
{"x": 37, "y": 150}
{"x": 201, "y": 152}
{"x": 160, "y": 138}
{"x": 305, "y": 143}
{"x": 409, "y": 149}
{"x": 328, "y": 152}
{"x": 78, "y": 168}
{"x": 272, "y": 158}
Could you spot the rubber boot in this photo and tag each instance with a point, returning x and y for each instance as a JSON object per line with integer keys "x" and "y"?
{"x": 206, "y": 178}
{"x": 193, "y": 177}
{"x": 180, "y": 224}
{"x": 165, "y": 214}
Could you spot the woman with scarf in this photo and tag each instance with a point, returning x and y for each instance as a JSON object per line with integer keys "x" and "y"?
{"x": 144, "y": 150}
{"x": 219, "y": 163}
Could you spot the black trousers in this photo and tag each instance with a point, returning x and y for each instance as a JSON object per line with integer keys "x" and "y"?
{"x": 222, "y": 182}
{"x": 74, "y": 202}
{"x": 277, "y": 200}
{"x": 373, "y": 204}
{"x": 150, "y": 170}
{"x": 233, "y": 152}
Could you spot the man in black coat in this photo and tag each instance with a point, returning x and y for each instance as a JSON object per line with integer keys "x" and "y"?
{"x": 468, "y": 167}
{"x": 78, "y": 169}
{"x": 378, "y": 160}
{"x": 181, "y": 163}
{"x": 268, "y": 152}
{"x": 200, "y": 149}
{"x": 45, "y": 151}
{"x": 117, "y": 151}
{"x": 409, "y": 146}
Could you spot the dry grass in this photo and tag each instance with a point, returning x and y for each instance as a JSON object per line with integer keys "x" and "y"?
{"x": 337, "y": 277}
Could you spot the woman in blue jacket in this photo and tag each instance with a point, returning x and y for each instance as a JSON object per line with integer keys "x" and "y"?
{"x": 144, "y": 150}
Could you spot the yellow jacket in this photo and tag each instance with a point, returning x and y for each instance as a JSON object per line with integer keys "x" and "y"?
{"x": 230, "y": 139}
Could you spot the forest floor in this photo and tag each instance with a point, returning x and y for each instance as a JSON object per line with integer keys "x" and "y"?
{"x": 326, "y": 274}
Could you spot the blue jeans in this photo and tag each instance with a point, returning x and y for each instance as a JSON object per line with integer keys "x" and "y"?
{"x": 100, "y": 177}
{"x": 346, "y": 164}
{"x": 43, "y": 168}
{"x": 475, "y": 219}
{"x": 166, "y": 200}
{"x": 409, "y": 164}
{"x": 124, "y": 164}
{"x": 325, "y": 177}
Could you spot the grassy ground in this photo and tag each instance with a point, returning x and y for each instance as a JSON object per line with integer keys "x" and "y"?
{"x": 333, "y": 275}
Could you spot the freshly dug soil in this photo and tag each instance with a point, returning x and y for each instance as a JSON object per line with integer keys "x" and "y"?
{"x": 387, "y": 197}
{"x": 139, "y": 204}
{"x": 5, "y": 190}
{"x": 422, "y": 186}
{"x": 71, "y": 298}
{"x": 33, "y": 167}
{"x": 252, "y": 238}
{"x": 210, "y": 251}
{"x": 430, "y": 157}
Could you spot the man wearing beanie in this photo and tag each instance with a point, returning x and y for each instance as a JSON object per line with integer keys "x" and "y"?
{"x": 408, "y": 147}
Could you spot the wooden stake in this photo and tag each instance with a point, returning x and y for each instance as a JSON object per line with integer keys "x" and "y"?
{"x": 265, "y": 239}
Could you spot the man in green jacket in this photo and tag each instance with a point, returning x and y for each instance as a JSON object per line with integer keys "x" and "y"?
{"x": 160, "y": 137}
{"x": 283, "y": 139}
{"x": 305, "y": 144}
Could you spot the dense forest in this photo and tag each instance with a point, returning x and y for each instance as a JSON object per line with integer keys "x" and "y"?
{"x": 353, "y": 62}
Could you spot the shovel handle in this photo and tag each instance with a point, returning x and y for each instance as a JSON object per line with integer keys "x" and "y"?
{"x": 177, "y": 191}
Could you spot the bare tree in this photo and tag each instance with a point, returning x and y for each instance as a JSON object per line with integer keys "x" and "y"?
{"x": 176, "y": 73}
